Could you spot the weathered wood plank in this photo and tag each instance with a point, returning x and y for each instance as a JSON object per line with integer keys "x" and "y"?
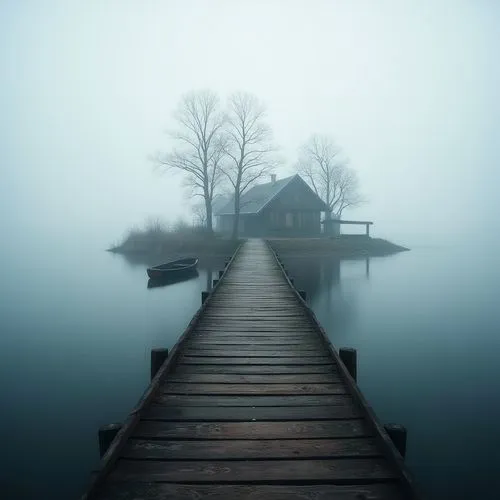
{"x": 249, "y": 336}
{"x": 276, "y": 328}
{"x": 246, "y": 414}
{"x": 205, "y": 360}
{"x": 279, "y": 327}
{"x": 255, "y": 306}
{"x": 247, "y": 449}
{"x": 228, "y": 317}
{"x": 205, "y": 400}
{"x": 228, "y": 352}
{"x": 264, "y": 305}
{"x": 210, "y": 342}
{"x": 170, "y": 491}
{"x": 334, "y": 471}
{"x": 251, "y": 321}
{"x": 253, "y": 389}
{"x": 261, "y": 334}
{"x": 252, "y": 430}
{"x": 255, "y": 369}
{"x": 254, "y": 320}
{"x": 218, "y": 378}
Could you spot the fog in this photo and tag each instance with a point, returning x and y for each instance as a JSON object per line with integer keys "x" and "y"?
{"x": 407, "y": 88}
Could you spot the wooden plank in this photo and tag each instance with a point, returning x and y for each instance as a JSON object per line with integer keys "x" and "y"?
{"x": 247, "y": 449}
{"x": 245, "y": 345}
{"x": 246, "y": 414}
{"x": 261, "y": 338}
{"x": 205, "y": 400}
{"x": 245, "y": 286}
{"x": 265, "y": 305}
{"x": 262, "y": 331}
{"x": 204, "y": 360}
{"x": 257, "y": 335}
{"x": 272, "y": 317}
{"x": 282, "y": 310}
{"x": 263, "y": 302}
{"x": 257, "y": 320}
{"x": 253, "y": 389}
{"x": 255, "y": 369}
{"x": 218, "y": 378}
{"x": 236, "y": 352}
{"x": 252, "y": 430}
{"x": 256, "y": 323}
{"x": 170, "y": 491}
{"x": 334, "y": 471}
{"x": 224, "y": 312}
{"x": 278, "y": 334}
{"x": 277, "y": 328}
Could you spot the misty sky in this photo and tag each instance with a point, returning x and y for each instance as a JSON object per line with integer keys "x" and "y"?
{"x": 409, "y": 90}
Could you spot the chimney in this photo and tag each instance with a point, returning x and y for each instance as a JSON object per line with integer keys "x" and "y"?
{"x": 273, "y": 178}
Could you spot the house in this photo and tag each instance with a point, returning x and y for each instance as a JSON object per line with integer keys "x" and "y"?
{"x": 285, "y": 207}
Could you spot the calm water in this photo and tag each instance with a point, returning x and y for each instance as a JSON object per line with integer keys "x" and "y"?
{"x": 77, "y": 326}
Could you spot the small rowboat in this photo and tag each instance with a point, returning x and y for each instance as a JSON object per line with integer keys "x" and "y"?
{"x": 176, "y": 268}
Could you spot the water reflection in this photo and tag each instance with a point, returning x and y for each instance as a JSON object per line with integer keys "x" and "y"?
{"x": 171, "y": 280}
{"x": 313, "y": 275}
{"x": 209, "y": 276}
{"x": 328, "y": 293}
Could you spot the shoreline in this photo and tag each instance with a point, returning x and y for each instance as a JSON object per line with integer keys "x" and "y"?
{"x": 344, "y": 247}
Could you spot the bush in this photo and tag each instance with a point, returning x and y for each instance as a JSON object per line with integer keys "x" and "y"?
{"x": 156, "y": 234}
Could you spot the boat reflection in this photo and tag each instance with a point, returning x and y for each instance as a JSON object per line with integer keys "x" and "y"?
{"x": 171, "y": 280}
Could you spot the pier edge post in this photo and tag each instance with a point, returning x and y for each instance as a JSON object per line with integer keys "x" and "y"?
{"x": 158, "y": 356}
{"x": 303, "y": 294}
{"x": 204, "y": 296}
{"x": 106, "y": 435}
{"x": 291, "y": 281}
{"x": 349, "y": 357}
{"x": 220, "y": 274}
{"x": 398, "y": 434}
{"x": 214, "y": 282}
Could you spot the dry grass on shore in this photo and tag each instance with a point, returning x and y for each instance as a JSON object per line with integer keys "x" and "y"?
{"x": 158, "y": 238}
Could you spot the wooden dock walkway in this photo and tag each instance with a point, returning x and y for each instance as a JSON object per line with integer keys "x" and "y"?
{"x": 252, "y": 403}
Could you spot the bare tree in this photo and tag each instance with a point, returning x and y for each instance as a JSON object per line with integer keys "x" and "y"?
{"x": 249, "y": 148}
{"x": 327, "y": 172}
{"x": 199, "y": 214}
{"x": 199, "y": 146}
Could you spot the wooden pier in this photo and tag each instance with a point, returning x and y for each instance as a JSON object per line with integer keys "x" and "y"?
{"x": 254, "y": 403}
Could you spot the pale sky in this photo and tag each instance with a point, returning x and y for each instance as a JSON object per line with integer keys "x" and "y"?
{"x": 408, "y": 89}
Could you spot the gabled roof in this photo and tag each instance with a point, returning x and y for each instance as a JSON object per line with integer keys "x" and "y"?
{"x": 256, "y": 198}
{"x": 259, "y": 196}
{"x": 219, "y": 202}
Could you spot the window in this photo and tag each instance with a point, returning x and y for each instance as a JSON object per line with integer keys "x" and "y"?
{"x": 289, "y": 219}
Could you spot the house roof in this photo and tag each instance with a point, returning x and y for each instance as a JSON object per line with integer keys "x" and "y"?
{"x": 219, "y": 202}
{"x": 258, "y": 197}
